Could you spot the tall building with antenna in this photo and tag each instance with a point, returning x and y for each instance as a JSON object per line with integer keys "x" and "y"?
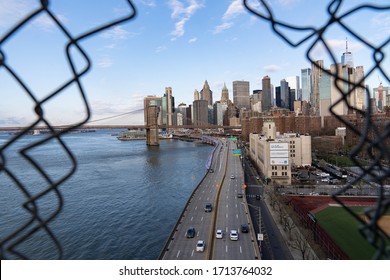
{"x": 347, "y": 58}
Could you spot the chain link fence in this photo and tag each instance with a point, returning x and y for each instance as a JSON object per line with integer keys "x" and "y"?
{"x": 372, "y": 137}
{"x": 37, "y": 223}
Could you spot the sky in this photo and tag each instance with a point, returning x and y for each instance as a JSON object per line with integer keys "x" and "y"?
{"x": 176, "y": 43}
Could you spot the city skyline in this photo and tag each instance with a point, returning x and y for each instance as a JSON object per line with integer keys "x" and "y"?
{"x": 177, "y": 44}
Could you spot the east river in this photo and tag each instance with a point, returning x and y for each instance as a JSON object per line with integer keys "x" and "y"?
{"x": 121, "y": 203}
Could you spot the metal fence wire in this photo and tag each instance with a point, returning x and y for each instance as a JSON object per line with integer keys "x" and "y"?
{"x": 373, "y": 138}
{"x": 38, "y": 223}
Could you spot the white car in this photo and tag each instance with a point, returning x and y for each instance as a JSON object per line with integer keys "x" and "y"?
{"x": 232, "y": 177}
{"x": 219, "y": 234}
{"x": 234, "y": 234}
{"x": 200, "y": 246}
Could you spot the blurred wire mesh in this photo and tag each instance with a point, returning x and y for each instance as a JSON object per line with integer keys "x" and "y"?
{"x": 373, "y": 138}
{"x": 37, "y": 224}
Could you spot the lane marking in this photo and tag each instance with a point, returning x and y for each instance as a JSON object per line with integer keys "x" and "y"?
{"x": 201, "y": 219}
{"x": 178, "y": 253}
{"x": 196, "y": 207}
{"x": 240, "y": 250}
{"x": 192, "y": 254}
{"x": 237, "y": 216}
{"x": 192, "y": 218}
{"x": 226, "y": 248}
{"x": 227, "y": 215}
{"x": 227, "y": 205}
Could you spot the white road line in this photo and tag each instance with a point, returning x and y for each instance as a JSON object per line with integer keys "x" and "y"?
{"x": 208, "y": 198}
{"x": 226, "y": 229}
{"x": 192, "y": 218}
{"x": 237, "y": 216}
{"x": 201, "y": 219}
{"x": 236, "y": 205}
{"x": 192, "y": 254}
{"x": 197, "y": 234}
{"x": 196, "y": 207}
{"x": 178, "y": 253}
{"x": 226, "y": 248}
{"x": 227, "y": 205}
{"x": 227, "y": 215}
{"x": 240, "y": 250}
{"x": 200, "y": 198}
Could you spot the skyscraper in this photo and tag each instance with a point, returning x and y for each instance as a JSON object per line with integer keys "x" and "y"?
{"x": 306, "y": 84}
{"x": 225, "y": 94}
{"x": 316, "y": 70}
{"x": 167, "y": 106}
{"x": 207, "y": 94}
{"x": 200, "y": 112}
{"x": 293, "y": 83}
{"x": 196, "y": 95}
{"x": 284, "y": 94}
{"x": 266, "y": 102}
{"x": 241, "y": 94}
{"x": 346, "y": 58}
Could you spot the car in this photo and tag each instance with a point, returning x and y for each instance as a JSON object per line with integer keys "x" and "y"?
{"x": 244, "y": 228}
{"x": 232, "y": 177}
{"x": 200, "y": 246}
{"x": 219, "y": 234}
{"x": 239, "y": 195}
{"x": 190, "y": 232}
{"x": 257, "y": 178}
{"x": 234, "y": 235}
{"x": 258, "y": 197}
{"x": 211, "y": 170}
{"x": 208, "y": 207}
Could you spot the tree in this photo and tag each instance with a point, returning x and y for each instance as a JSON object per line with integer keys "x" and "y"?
{"x": 300, "y": 243}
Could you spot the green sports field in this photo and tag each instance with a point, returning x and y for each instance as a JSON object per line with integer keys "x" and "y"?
{"x": 343, "y": 229}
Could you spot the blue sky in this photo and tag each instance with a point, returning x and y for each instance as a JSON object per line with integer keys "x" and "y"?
{"x": 177, "y": 43}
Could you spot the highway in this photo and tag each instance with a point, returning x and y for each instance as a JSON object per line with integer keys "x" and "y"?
{"x": 232, "y": 214}
{"x": 194, "y": 215}
{"x": 228, "y": 212}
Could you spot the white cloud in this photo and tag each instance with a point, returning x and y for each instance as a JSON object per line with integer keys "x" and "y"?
{"x": 104, "y": 62}
{"x": 13, "y": 11}
{"x": 235, "y": 8}
{"x": 116, "y": 33}
{"x": 192, "y": 40}
{"x": 149, "y": 3}
{"x": 160, "y": 49}
{"x": 272, "y": 68}
{"x": 222, "y": 27}
{"x": 288, "y": 2}
{"x": 337, "y": 47}
{"x": 381, "y": 24}
{"x": 182, "y": 14}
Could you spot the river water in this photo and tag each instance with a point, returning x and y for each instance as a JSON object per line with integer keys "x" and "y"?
{"x": 121, "y": 203}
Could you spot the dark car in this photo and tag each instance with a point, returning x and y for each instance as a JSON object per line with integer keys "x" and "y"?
{"x": 208, "y": 207}
{"x": 244, "y": 228}
{"x": 190, "y": 232}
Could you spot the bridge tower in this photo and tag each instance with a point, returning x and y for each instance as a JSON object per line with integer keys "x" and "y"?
{"x": 152, "y": 124}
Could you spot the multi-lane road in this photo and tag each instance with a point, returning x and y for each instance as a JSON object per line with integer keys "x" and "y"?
{"x": 223, "y": 187}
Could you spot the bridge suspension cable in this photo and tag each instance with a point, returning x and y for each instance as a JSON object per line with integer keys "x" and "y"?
{"x": 116, "y": 116}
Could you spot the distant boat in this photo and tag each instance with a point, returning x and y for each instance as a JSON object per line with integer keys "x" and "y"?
{"x": 36, "y": 132}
